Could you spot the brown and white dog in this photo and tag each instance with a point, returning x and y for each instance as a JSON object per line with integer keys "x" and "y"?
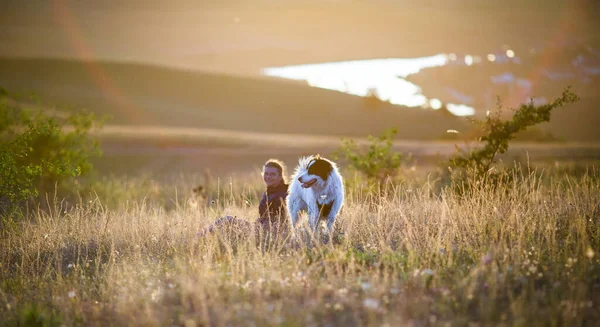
{"x": 317, "y": 188}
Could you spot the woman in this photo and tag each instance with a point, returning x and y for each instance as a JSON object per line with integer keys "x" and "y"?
{"x": 272, "y": 210}
{"x": 272, "y": 222}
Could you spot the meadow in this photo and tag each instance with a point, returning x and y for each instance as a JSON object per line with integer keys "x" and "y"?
{"x": 408, "y": 253}
{"x": 182, "y": 86}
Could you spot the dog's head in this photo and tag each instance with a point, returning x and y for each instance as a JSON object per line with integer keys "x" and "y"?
{"x": 314, "y": 171}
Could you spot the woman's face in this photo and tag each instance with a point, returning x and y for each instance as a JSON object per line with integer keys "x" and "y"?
{"x": 272, "y": 177}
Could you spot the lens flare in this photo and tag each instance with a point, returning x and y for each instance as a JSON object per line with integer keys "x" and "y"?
{"x": 103, "y": 81}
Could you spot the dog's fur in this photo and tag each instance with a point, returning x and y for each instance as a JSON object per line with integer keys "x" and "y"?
{"x": 317, "y": 188}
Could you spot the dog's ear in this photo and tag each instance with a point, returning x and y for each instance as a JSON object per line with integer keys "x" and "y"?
{"x": 321, "y": 168}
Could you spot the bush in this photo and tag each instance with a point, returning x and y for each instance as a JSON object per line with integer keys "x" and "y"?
{"x": 379, "y": 162}
{"x": 479, "y": 164}
{"x": 40, "y": 153}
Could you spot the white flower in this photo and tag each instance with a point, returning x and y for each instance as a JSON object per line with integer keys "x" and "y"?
{"x": 371, "y": 303}
{"x": 365, "y": 286}
{"x": 71, "y": 294}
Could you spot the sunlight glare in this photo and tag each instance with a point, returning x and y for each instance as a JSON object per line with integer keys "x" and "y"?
{"x": 460, "y": 109}
{"x": 357, "y": 77}
{"x": 435, "y": 104}
{"x": 469, "y": 60}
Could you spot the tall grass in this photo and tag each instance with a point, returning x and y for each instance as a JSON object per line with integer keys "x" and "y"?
{"x": 525, "y": 253}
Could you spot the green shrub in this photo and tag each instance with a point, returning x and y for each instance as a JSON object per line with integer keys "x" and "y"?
{"x": 378, "y": 162}
{"x": 40, "y": 153}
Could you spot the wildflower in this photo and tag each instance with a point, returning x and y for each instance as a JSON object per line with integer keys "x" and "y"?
{"x": 487, "y": 259}
{"x": 71, "y": 294}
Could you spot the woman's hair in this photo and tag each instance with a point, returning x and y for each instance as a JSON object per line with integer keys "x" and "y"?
{"x": 279, "y": 165}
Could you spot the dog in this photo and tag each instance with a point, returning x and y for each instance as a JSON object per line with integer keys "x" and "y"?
{"x": 317, "y": 188}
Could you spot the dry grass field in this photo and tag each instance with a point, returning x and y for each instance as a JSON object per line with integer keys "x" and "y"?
{"x": 522, "y": 254}
{"x": 187, "y": 104}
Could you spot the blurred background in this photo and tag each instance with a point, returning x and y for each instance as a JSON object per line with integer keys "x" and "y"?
{"x": 224, "y": 85}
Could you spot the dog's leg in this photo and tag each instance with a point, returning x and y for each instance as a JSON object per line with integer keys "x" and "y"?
{"x": 313, "y": 216}
{"x": 313, "y": 221}
{"x": 294, "y": 207}
{"x": 335, "y": 210}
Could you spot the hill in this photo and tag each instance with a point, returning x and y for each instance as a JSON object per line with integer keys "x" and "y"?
{"x": 136, "y": 94}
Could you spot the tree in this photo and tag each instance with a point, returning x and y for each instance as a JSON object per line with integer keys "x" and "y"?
{"x": 39, "y": 153}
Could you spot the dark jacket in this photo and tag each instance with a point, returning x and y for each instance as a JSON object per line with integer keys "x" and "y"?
{"x": 272, "y": 205}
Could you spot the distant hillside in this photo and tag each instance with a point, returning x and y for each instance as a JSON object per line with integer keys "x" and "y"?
{"x": 135, "y": 94}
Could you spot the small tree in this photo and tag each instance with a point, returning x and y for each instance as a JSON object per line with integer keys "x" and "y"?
{"x": 477, "y": 164}
{"x": 39, "y": 152}
{"x": 378, "y": 162}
